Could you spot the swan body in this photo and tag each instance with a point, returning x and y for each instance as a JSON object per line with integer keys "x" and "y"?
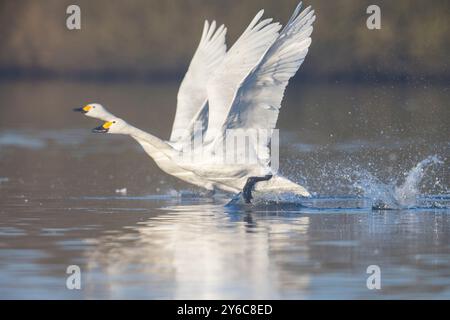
{"x": 222, "y": 91}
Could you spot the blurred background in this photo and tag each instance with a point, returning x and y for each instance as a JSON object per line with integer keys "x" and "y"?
{"x": 155, "y": 39}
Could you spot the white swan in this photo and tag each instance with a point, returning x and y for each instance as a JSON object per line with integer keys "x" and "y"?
{"x": 241, "y": 89}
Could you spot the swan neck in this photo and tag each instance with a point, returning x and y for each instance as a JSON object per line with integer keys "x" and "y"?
{"x": 142, "y": 136}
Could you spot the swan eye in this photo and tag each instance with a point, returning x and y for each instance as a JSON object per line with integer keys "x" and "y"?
{"x": 114, "y": 122}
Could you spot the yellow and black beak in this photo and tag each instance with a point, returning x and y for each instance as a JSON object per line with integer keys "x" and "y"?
{"x": 103, "y": 128}
{"x": 84, "y": 109}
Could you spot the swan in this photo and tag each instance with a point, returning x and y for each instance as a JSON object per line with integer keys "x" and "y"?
{"x": 239, "y": 90}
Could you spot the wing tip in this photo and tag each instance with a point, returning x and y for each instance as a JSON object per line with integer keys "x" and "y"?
{"x": 256, "y": 19}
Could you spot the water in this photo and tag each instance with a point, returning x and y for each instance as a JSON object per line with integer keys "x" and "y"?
{"x": 406, "y": 194}
{"x": 396, "y": 195}
{"x": 379, "y": 178}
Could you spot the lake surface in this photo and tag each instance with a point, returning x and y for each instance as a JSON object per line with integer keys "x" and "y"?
{"x": 375, "y": 158}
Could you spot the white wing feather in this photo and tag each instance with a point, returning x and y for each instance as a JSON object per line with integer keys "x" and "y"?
{"x": 238, "y": 62}
{"x": 192, "y": 93}
{"x": 258, "y": 100}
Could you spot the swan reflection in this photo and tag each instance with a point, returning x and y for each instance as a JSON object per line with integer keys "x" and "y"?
{"x": 201, "y": 252}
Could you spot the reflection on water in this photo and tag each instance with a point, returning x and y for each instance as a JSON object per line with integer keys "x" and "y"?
{"x": 59, "y": 206}
{"x": 130, "y": 248}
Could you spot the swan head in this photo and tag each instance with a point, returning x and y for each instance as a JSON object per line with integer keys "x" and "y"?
{"x": 114, "y": 126}
{"x": 95, "y": 110}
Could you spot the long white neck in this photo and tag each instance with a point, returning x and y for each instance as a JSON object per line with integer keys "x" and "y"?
{"x": 151, "y": 144}
{"x": 149, "y": 140}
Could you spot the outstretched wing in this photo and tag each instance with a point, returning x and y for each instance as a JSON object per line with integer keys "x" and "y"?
{"x": 195, "y": 129}
{"x": 258, "y": 100}
{"x": 192, "y": 93}
{"x": 238, "y": 62}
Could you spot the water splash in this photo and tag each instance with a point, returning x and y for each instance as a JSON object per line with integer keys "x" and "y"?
{"x": 406, "y": 194}
{"x": 394, "y": 195}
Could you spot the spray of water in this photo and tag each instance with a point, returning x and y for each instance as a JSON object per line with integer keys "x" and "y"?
{"x": 406, "y": 194}
{"x": 395, "y": 195}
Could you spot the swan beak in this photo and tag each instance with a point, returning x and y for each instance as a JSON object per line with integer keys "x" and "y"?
{"x": 103, "y": 128}
{"x": 84, "y": 109}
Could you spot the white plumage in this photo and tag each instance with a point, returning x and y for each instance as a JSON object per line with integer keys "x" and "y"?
{"x": 192, "y": 94}
{"x": 241, "y": 89}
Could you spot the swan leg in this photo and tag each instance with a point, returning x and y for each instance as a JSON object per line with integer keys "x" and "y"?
{"x": 250, "y": 184}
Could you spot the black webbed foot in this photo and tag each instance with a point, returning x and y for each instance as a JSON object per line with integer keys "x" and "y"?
{"x": 250, "y": 184}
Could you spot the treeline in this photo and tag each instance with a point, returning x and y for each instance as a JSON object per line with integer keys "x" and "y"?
{"x": 156, "y": 39}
